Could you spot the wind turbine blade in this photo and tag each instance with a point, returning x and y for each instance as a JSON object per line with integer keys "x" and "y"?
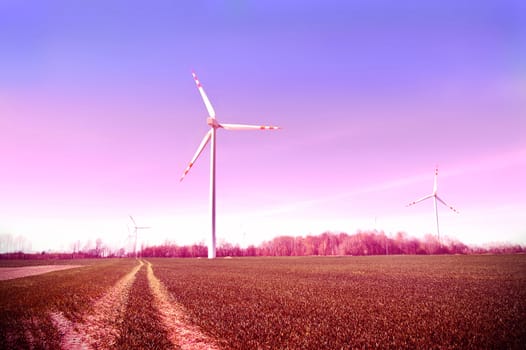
{"x": 248, "y": 127}
{"x": 134, "y": 224}
{"x": 420, "y": 200}
{"x": 197, "y": 153}
{"x": 447, "y": 205}
{"x": 435, "y": 185}
{"x": 208, "y": 105}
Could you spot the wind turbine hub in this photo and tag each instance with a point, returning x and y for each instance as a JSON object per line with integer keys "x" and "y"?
{"x": 212, "y": 122}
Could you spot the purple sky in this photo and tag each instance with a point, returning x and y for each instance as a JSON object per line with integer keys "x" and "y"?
{"x": 100, "y": 116}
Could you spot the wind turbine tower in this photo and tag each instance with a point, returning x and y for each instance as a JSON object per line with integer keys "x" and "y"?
{"x": 135, "y": 230}
{"x": 211, "y": 137}
{"x": 436, "y": 198}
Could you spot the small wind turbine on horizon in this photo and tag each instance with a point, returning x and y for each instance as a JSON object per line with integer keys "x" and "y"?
{"x": 211, "y": 137}
{"x": 436, "y": 198}
{"x": 136, "y": 228}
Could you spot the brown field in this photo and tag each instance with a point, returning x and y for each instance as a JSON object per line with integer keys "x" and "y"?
{"x": 8, "y": 273}
{"x": 474, "y": 302}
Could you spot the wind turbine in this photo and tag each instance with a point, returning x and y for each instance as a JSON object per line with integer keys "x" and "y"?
{"x": 136, "y": 228}
{"x": 436, "y": 198}
{"x": 211, "y": 137}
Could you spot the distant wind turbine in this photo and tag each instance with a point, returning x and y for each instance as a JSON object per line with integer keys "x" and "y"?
{"x": 436, "y": 198}
{"x": 211, "y": 136}
{"x": 135, "y": 229}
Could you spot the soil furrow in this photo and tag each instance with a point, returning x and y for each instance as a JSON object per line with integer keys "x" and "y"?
{"x": 99, "y": 328}
{"x": 181, "y": 333}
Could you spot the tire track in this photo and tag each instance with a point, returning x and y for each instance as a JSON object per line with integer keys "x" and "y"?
{"x": 99, "y": 329}
{"x": 142, "y": 327}
{"x": 182, "y": 334}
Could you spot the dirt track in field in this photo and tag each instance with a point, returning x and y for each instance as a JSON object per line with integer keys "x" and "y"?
{"x": 99, "y": 329}
{"x": 9, "y": 273}
{"x": 182, "y": 334}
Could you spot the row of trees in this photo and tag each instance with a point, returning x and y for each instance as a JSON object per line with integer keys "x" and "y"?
{"x": 10, "y": 243}
{"x": 17, "y": 246}
{"x": 326, "y": 244}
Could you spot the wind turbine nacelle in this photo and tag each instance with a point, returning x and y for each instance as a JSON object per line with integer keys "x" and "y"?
{"x": 212, "y": 122}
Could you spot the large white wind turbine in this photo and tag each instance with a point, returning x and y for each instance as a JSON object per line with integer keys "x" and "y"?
{"x": 211, "y": 137}
{"x": 436, "y": 198}
{"x": 135, "y": 229}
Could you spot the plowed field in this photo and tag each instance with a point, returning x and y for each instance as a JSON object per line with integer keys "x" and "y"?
{"x": 467, "y": 302}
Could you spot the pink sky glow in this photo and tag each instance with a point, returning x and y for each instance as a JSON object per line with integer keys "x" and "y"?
{"x": 100, "y": 116}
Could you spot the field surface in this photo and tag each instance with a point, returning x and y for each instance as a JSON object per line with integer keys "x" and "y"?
{"x": 468, "y": 302}
{"x": 8, "y": 273}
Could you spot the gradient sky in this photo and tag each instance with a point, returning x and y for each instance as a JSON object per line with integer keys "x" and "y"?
{"x": 100, "y": 116}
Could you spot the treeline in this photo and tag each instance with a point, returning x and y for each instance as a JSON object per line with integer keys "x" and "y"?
{"x": 88, "y": 254}
{"x": 326, "y": 244}
{"x": 333, "y": 244}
